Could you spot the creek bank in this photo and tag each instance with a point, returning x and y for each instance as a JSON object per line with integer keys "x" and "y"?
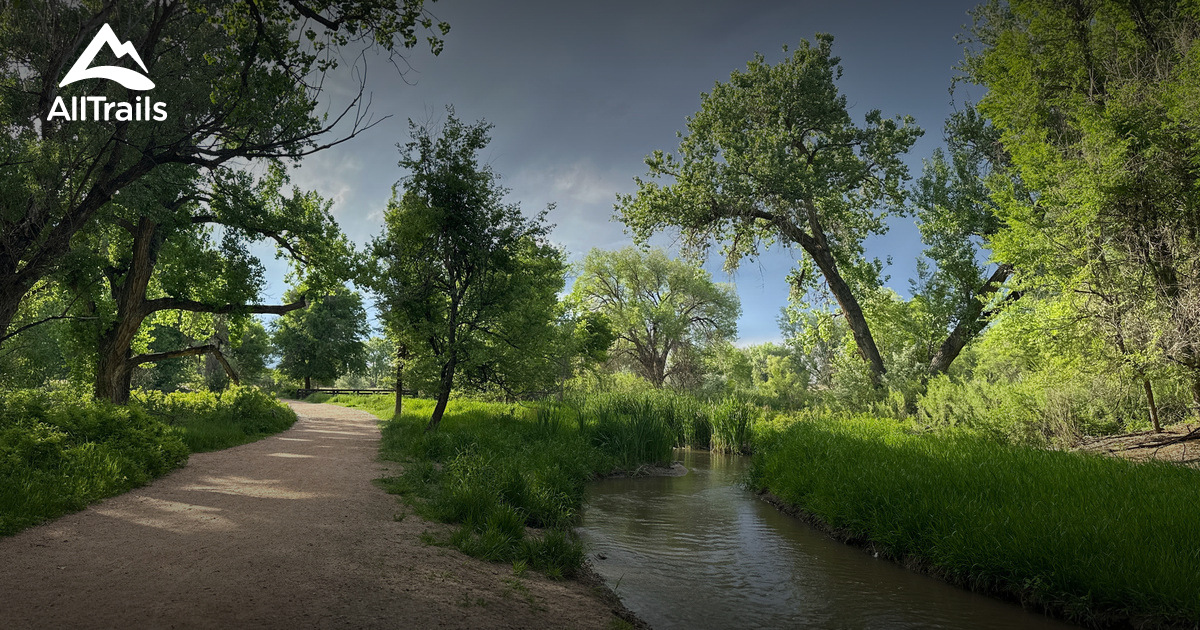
{"x": 917, "y": 564}
{"x": 1094, "y": 540}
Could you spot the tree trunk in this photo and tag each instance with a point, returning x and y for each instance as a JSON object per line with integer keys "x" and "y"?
{"x": 114, "y": 379}
{"x": 851, "y": 310}
{"x": 1150, "y": 404}
{"x": 399, "y": 381}
{"x": 971, "y": 322}
{"x": 1196, "y": 395}
{"x": 444, "y": 386}
{"x": 307, "y": 382}
{"x": 12, "y": 290}
{"x": 114, "y": 370}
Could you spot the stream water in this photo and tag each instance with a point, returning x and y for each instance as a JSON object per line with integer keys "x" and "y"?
{"x": 700, "y": 551}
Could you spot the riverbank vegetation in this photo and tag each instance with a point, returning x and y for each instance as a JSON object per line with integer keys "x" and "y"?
{"x": 60, "y": 452}
{"x": 1094, "y": 539}
{"x": 1057, "y": 297}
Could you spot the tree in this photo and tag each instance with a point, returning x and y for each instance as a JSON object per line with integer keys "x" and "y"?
{"x": 380, "y": 358}
{"x": 466, "y": 284}
{"x": 324, "y": 340}
{"x": 238, "y": 80}
{"x": 581, "y": 342}
{"x": 773, "y": 155}
{"x": 1096, "y": 103}
{"x": 659, "y": 308}
{"x": 163, "y": 254}
{"x": 957, "y": 217}
{"x": 251, "y": 349}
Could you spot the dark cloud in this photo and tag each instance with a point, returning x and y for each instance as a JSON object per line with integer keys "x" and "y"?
{"x": 580, "y": 92}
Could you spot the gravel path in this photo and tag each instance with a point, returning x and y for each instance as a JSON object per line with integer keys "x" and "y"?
{"x": 287, "y": 532}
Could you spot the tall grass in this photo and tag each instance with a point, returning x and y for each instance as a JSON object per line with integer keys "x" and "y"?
{"x": 634, "y": 431}
{"x": 1097, "y": 539}
{"x": 497, "y": 469}
{"x": 733, "y": 423}
{"x": 61, "y": 451}
{"x": 210, "y": 421}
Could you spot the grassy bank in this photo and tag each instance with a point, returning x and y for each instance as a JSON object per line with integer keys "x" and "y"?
{"x": 497, "y": 469}
{"x": 60, "y": 452}
{"x": 210, "y": 421}
{"x": 1096, "y": 539}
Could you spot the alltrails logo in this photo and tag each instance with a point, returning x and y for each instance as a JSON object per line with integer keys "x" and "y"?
{"x": 143, "y": 108}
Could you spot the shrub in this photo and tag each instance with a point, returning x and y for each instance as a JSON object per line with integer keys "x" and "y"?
{"x": 59, "y": 452}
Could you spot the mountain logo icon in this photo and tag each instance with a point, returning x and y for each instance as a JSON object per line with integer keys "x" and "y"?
{"x": 131, "y": 79}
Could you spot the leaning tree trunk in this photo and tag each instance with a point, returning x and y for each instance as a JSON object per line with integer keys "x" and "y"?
{"x": 971, "y": 323}
{"x": 1150, "y": 404}
{"x": 443, "y": 397}
{"x": 850, "y": 309}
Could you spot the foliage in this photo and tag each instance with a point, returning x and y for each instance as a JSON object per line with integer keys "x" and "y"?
{"x": 1095, "y": 103}
{"x": 60, "y": 451}
{"x": 212, "y": 421}
{"x": 220, "y": 69}
{"x": 251, "y": 351}
{"x": 324, "y": 340}
{"x": 658, "y": 308}
{"x": 496, "y": 470}
{"x": 1100, "y": 540}
{"x": 466, "y": 283}
{"x": 957, "y": 218}
{"x": 773, "y": 155}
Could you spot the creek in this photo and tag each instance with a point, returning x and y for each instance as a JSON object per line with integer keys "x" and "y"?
{"x": 701, "y": 551}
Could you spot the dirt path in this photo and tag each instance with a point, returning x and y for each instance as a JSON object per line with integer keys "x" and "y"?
{"x": 287, "y": 532}
{"x": 1179, "y": 444}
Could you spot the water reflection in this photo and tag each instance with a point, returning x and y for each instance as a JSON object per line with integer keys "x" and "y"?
{"x": 699, "y": 551}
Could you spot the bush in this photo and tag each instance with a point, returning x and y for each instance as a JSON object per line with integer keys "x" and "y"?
{"x": 211, "y": 421}
{"x": 59, "y": 452}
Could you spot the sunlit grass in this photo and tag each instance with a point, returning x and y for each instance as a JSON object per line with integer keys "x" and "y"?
{"x": 1092, "y": 537}
{"x": 60, "y": 452}
{"x": 497, "y": 469}
{"x": 210, "y": 421}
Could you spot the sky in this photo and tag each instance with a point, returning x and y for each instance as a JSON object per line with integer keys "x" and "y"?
{"x": 579, "y": 93}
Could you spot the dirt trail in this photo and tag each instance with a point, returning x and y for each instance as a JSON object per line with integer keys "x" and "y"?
{"x": 287, "y": 532}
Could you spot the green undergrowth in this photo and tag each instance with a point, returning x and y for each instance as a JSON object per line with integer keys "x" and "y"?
{"x": 210, "y": 421}
{"x": 513, "y": 477}
{"x": 1099, "y": 540}
{"x": 60, "y": 451}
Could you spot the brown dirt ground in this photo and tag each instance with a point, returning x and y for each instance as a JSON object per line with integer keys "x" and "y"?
{"x": 1179, "y": 444}
{"x": 287, "y": 532}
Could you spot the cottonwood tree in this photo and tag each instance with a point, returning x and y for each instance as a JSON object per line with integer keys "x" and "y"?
{"x": 466, "y": 283}
{"x": 658, "y": 308}
{"x": 239, "y": 79}
{"x": 774, "y": 156}
{"x": 958, "y": 218}
{"x": 323, "y": 341}
{"x": 1095, "y": 101}
{"x": 180, "y": 243}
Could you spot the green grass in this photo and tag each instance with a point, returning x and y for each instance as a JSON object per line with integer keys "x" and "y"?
{"x": 1096, "y": 539}
{"x": 497, "y": 470}
{"x": 60, "y": 452}
{"x": 210, "y": 421}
